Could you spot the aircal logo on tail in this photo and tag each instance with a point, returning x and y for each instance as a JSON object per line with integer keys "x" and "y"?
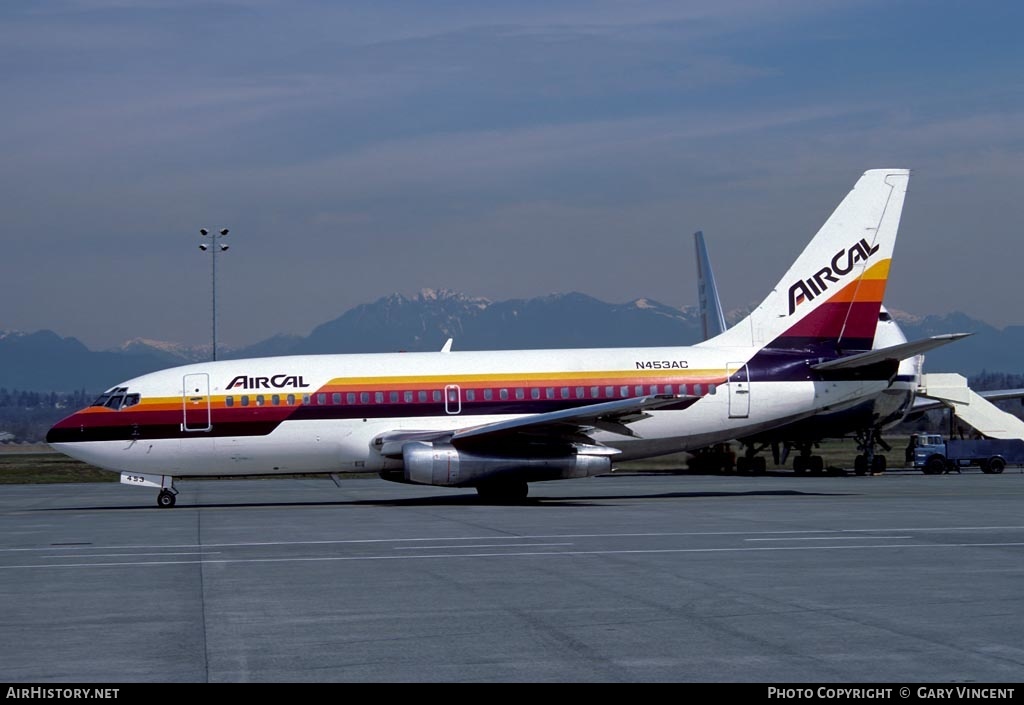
{"x": 806, "y": 289}
{"x": 276, "y": 382}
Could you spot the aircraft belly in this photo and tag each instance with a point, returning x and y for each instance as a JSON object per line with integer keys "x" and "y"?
{"x": 707, "y": 422}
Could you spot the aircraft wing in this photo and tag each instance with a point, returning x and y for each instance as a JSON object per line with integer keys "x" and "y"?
{"x": 891, "y": 353}
{"x": 565, "y": 425}
{"x": 609, "y": 415}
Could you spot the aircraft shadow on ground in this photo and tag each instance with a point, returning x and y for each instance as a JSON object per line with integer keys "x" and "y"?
{"x": 459, "y": 500}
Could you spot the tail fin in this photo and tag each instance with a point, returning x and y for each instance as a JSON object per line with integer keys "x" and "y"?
{"x": 712, "y": 320}
{"x": 831, "y": 296}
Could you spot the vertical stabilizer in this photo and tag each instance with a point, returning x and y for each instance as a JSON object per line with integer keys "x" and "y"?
{"x": 712, "y": 320}
{"x": 830, "y": 297}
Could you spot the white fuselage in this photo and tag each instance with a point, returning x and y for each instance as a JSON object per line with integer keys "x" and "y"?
{"x": 322, "y": 413}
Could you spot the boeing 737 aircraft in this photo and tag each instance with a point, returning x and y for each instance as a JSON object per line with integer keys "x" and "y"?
{"x": 499, "y": 420}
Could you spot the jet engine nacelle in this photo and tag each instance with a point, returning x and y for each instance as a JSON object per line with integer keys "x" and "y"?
{"x": 443, "y": 464}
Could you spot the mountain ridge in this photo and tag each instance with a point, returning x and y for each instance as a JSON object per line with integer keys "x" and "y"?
{"x": 43, "y": 360}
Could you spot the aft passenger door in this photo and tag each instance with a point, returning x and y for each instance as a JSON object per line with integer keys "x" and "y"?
{"x": 739, "y": 390}
{"x": 195, "y": 402}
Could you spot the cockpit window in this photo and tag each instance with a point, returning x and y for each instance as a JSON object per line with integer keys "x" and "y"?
{"x": 116, "y": 398}
{"x": 103, "y": 399}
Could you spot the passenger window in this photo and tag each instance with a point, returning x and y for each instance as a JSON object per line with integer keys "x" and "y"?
{"x": 503, "y": 394}
{"x": 408, "y": 397}
{"x": 321, "y": 399}
{"x": 378, "y": 397}
{"x": 470, "y": 395}
{"x": 534, "y": 393}
{"x": 336, "y": 397}
{"x": 580, "y": 393}
{"x": 549, "y": 393}
{"x": 245, "y": 400}
{"x": 698, "y": 389}
{"x": 624, "y": 391}
{"x": 260, "y": 400}
{"x": 422, "y": 396}
{"x": 595, "y": 392}
{"x": 639, "y": 389}
{"x": 350, "y": 398}
{"x": 393, "y": 397}
{"x": 276, "y": 400}
{"x": 654, "y": 389}
{"x": 229, "y": 401}
{"x": 565, "y": 392}
{"x": 668, "y": 389}
{"x": 305, "y": 399}
{"x": 682, "y": 389}
{"x": 520, "y": 393}
{"x": 488, "y": 394}
{"x": 291, "y": 400}
{"x": 609, "y": 392}
{"x": 436, "y": 395}
{"x": 364, "y": 397}
{"x": 712, "y": 388}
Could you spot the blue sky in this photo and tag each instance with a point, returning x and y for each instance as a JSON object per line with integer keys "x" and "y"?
{"x": 501, "y": 149}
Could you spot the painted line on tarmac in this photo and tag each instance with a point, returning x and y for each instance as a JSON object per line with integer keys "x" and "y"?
{"x": 526, "y": 537}
{"x": 831, "y": 538}
{"x": 479, "y": 545}
{"x": 392, "y": 557}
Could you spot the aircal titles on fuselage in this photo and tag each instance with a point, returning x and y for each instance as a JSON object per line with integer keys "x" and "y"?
{"x": 274, "y": 382}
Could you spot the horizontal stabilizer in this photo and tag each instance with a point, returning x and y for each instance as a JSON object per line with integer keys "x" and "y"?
{"x": 894, "y": 352}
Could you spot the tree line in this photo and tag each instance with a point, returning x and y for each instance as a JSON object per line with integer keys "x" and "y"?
{"x": 25, "y": 399}
{"x": 27, "y": 415}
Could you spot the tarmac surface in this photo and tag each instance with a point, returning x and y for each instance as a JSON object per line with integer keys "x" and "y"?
{"x": 898, "y": 578}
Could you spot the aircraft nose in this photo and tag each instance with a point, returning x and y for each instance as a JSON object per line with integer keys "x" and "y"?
{"x": 62, "y": 431}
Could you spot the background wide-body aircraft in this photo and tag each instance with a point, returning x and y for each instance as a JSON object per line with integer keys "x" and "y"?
{"x": 911, "y": 393}
{"x": 499, "y": 420}
{"x": 864, "y": 421}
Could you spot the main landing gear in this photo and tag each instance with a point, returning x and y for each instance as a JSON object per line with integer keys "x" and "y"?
{"x": 805, "y": 461}
{"x": 868, "y": 460}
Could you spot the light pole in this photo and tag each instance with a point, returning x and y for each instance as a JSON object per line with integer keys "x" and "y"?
{"x": 213, "y": 247}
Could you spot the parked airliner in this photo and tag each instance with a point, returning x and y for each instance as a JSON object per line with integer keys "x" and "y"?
{"x": 865, "y": 421}
{"x": 499, "y": 420}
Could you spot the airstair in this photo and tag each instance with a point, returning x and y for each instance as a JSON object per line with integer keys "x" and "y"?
{"x": 971, "y": 407}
